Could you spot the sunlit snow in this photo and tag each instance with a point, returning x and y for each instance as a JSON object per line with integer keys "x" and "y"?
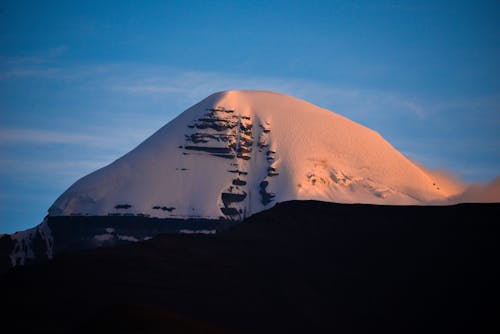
{"x": 238, "y": 152}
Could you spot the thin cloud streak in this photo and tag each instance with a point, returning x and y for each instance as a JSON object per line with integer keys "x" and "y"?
{"x": 41, "y": 166}
{"x": 196, "y": 85}
{"x": 46, "y": 174}
{"x": 101, "y": 138}
{"x": 163, "y": 81}
{"x": 29, "y": 72}
{"x": 45, "y": 137}
{"x": 158, "y": 81}
{"x": 169, "y": 91}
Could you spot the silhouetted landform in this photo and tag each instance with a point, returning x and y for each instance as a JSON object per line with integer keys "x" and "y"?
{"x": 6, "y": 247}
{"x": 142, "y": 319}
{"x": 300, "y": 267}
{"x": 74, "y": 233}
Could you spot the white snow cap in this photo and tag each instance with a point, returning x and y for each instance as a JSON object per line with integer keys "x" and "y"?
{"x": 238, "y": 152}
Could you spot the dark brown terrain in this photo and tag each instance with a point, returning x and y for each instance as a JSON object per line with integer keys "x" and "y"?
{"x": 305, "y": 267}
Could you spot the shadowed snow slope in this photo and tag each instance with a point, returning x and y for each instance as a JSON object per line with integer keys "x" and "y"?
{"x": 238, "y": 152}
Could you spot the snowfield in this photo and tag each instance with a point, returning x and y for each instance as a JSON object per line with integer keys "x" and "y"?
{"x": 239, "y": 152}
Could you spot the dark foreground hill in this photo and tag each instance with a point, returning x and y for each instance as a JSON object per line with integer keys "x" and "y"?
{"x": 307, "y": 267}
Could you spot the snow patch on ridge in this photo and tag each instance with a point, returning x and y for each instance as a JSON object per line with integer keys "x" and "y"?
{"x": 128, "y": 238}
{"x": 104, "y": 237}
{"x": 184, "y": 231}
{"x": 24, "y": 242}
{"x": 112, "y": 236}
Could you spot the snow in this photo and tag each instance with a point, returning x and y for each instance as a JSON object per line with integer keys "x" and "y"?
{"x": 128, "y": 238}
{"x": 104, "y": 237}
{"x": 46, "y": 234}
{"x": 198, "y": 231}
{"x": 24, "y": 240}
{"x": 239, "y": 152}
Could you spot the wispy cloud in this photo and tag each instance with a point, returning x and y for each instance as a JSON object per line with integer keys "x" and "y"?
{"x": 196, "y": 85}
{"x": 100, "y": 137}
{"x": 40, "y": 65}
{"x": 158, "y": 93}
{"x": 47, "y": 137}
{"x": 43, "y": 56}
{"x": 30, "y": 72}
{"x": 67, "y": 167}
{"x": 167, "y": 82}
{"x": 73, "y": 168}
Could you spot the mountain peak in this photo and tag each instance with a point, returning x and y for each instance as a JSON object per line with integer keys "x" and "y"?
{"x": 238, "y": 152}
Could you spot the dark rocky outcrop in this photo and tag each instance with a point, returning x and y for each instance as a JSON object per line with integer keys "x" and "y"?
{"x": 216, "y": 150}
{"x": 266, "y": 197}
{"x": 228, "y": 198}
{"x": 123, "y": 206}
{"x": 238, "y": 182}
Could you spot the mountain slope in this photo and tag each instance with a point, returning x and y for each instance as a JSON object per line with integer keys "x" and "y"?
{"x": 231, "y": 155}
{"x": 238, "y": 152}
{"x": 301, "y": 267}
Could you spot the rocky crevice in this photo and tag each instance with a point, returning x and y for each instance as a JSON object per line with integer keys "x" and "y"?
{"x": 264, "y": 146}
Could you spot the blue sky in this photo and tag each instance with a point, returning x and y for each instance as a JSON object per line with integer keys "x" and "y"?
{"x": 82, "y": 83}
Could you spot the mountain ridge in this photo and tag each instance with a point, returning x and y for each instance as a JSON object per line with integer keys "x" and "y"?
{"x": 302, "y": 266}
{"x": 233, "y": 154}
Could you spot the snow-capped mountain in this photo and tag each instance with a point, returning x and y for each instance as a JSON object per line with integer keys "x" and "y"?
{"x": 231, "y": 155}
{"x": 238, "y": 152}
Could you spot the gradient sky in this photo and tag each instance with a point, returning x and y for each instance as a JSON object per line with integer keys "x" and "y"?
{"x": 83, "y": 83}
